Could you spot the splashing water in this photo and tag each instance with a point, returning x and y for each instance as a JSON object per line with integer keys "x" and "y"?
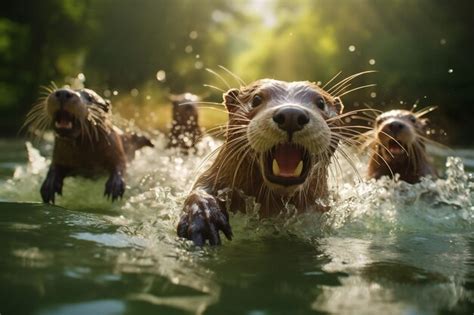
{"x": 384, "y": 247}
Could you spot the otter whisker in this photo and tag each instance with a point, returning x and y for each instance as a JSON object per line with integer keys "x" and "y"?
{"x": 348, "y": 79}
{"x": 237, "y": 78}
{"x": 219, "y": 76}
{"x": 355, "y": 89}
{"x": 214, "y": 87}
{"x": 330, "y": 80}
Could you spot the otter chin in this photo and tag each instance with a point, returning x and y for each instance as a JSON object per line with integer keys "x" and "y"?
{"x": 279, "y": 142}
{"x": 86, "y": 143}
{"x": 398, "y": 146}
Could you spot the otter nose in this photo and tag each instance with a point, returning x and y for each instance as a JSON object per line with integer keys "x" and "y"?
{"x": 396, "y": 126}
{"x": 63, "y": 95}
{"x": 291, "y": 119}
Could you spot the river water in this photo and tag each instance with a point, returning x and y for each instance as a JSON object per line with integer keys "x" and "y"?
{"x": 384, "y": 248}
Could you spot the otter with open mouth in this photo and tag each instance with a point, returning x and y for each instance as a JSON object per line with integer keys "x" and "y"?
{"x": 185, "y": 131}
{"x": 279, "y": 142}
{"x": 86, "y": 141}
{"x": 398, "y": 146}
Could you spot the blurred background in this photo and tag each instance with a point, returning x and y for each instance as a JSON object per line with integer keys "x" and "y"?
{"x": 137, "y": 52}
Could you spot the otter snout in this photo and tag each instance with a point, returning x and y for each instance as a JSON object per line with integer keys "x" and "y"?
{"x": 64, "y": 95}
{"x": 291, "y": 119}
{"x": 395, "y": 127}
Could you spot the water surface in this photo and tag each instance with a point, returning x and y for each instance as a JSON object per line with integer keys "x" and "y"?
{"x": 385, "y": 247}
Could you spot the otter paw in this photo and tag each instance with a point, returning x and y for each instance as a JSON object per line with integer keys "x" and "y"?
{"x": 114, "y": 187}
{"x": 202, "y": 220}
{"x": 52, "y": 184}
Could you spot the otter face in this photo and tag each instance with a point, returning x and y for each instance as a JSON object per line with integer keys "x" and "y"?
{"x": 72, "y": 110}
{"x": 397, "y": 131}
{"x": 287, "y": 128}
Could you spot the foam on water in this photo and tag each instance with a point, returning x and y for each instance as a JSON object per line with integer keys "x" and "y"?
{"x": 371, "y": 225}
{"x": 158, "y": 181}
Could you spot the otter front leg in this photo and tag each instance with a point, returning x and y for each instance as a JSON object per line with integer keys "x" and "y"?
{"x": 203, "y": 219}
{"x": 115, "y": 186}
{"x": 53, "y": 183}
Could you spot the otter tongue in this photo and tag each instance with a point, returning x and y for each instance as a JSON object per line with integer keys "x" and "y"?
{"x": 394, "y": 147}
{"x": 288, "y": 158}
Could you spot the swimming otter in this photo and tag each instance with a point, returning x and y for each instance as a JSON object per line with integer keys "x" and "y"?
{"x": 86, "y": 142}
{"x": 185, "y": 131}
{"x": 279, "y": 142}
{"x": 399, "y": 147}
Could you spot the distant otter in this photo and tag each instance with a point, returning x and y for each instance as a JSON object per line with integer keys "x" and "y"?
{"x": 185, "y": 132}
{"x": 399, "y": 147}
{"x": 86, "y": 141}
{"x": 279, "y": 142}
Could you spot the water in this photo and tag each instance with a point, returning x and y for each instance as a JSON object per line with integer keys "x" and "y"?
{"x": 385, "y": 247}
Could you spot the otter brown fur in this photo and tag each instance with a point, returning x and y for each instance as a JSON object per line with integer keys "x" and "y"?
{"x": 185, "y": 131}
{"x": 86, "y": 141}
{"x": 398, "y": 147}
{"x": 279, "y": 142}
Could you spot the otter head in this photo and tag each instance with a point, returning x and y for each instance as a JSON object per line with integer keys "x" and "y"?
{"x": 287, "y": 127}
{"x": 185, "y": 111}
{"x": 397, "y": 133}
{"x": 73, "y": 111}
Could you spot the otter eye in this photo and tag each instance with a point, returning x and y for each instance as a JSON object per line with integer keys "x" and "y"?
{"x": 89, "y": 98}
{"x": 257, "y": 100}
{"x": 320, "y": 103}
{"x": 412, "y": 119}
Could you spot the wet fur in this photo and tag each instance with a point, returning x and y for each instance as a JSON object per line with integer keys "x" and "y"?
{"x": 185, "y": 131}
{"x": 236, "y": 171}
{"x": 414, "y": 163}
{"x": 98, "y": 148}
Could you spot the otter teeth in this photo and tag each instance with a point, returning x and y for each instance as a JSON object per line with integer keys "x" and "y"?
{"x": 62, "y": 126}
{"x": 275, "y": 167}
{"x": 298, "y": 169}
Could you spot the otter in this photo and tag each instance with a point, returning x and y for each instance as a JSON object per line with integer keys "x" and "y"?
{"x": 86, "y": 142}
{"x": 279, "y": 142}
{"x": 398, "y": 147}
{"x": 185, "y": 131}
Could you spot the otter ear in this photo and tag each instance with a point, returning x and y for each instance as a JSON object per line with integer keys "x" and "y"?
{"x": 231, "y": 100}
{"x": 338, "y": 105}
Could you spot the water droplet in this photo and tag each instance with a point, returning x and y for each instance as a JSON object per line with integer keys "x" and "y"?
{"x": 198, "y": 65}
{"x": 134, "y": 92}
{"x": 115, "y": 93}
{"x": 291, "y": 33}
{"x": 352, "y": 48}
{"x": 450, "y": 71}
{"x": 188, "y": 49}
{"x": 198, "y": 56}
{"x": 107, "y": 93}
{"x": 193, "y": 35}
{"x": 81, "y": 77}
{"x": 442, "y": 41}
{"x": 401, "y": 102}
{"x": 373, "y": 95}
{"x": 148, "y": 97}
{"x": 372, "y": 62}
{"x": 161, "y": 75}
{"x": 319, "y": 83}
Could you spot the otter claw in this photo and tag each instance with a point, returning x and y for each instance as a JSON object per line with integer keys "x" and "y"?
{"x": 114, "y": 187}
{"x": 52, "y": 184}
{"x": 202, "y": 222}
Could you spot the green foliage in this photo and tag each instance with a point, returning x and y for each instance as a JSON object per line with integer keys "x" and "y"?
{"x": 122, "y": 44}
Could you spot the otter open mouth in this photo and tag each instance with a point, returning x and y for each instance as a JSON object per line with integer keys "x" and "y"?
{"x": 287, "y": 164}
{"x": 64, "y": 122}
{"x": 395, "y": 147}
